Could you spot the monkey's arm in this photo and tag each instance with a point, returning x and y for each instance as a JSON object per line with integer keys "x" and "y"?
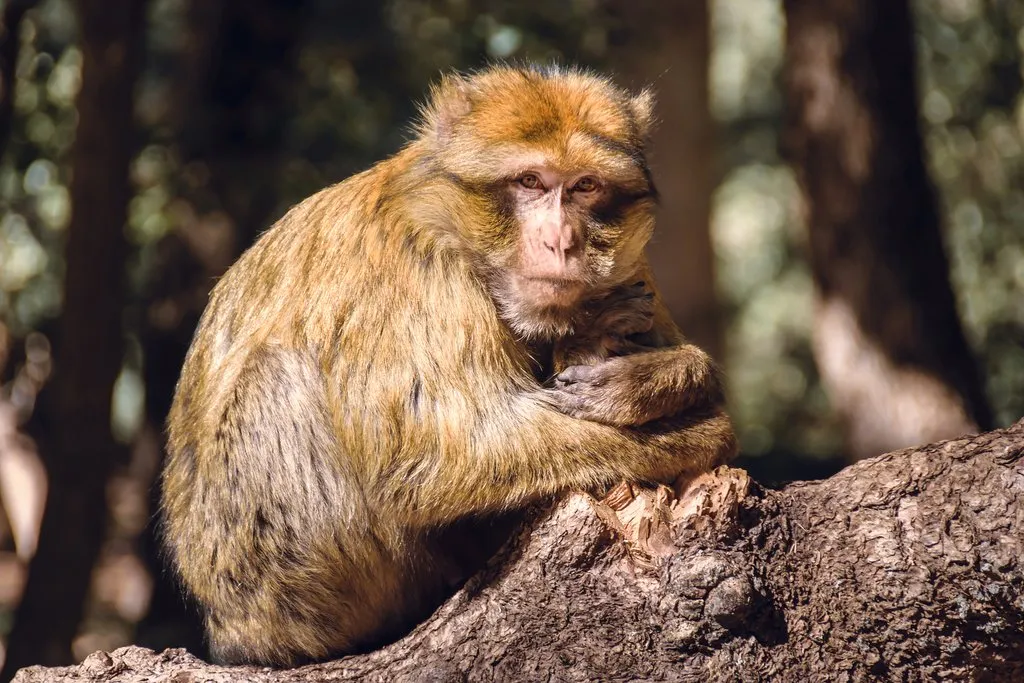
{"x": 525, "y": 448}
{"x": 471, "y": 430}
{"x": 640, "y": 388}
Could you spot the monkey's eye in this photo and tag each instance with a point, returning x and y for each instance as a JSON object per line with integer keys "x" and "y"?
{"x": 531, "y": 181}
{"x": 585, "y": 184}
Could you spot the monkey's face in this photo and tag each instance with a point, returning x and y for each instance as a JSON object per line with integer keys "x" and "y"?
{"x": 563, "y": 198}
{"x": 568, "y": 239}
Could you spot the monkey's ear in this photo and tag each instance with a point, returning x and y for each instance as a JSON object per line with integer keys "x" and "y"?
{"x": 450, "y": 100}
{"x": 642, "y": 108}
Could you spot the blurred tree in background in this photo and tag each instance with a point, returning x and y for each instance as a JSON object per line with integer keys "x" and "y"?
{"x": 80, "y": 452}
{"x": 969, "y": 70}
{"x": 242, "y": 109}
{"x": 667, "y": 46}
{"x": 887, "y": 338}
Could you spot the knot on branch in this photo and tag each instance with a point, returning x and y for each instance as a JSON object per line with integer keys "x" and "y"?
{"x": 651, "y": 518}
{"x": 707, "y": 594}
{"x": 712, "y": 597}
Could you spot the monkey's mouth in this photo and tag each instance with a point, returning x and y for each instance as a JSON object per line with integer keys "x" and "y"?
{"x": 557, "y": 292}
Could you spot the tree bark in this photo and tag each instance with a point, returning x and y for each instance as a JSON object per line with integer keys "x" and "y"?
{"x": 90, "y": 350}
{"x": 904, "y": 567}
{"x": 887, "y": 339}
{"x": 667, "y": 46}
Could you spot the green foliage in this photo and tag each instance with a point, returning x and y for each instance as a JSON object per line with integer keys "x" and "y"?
{"x": 970, "y": 54}
{"x": 362, "y": 66}
{"x": 34, "y": 174}
{"x": 972, "y": 108}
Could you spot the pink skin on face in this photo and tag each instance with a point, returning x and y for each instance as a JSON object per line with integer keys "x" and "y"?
{"x": 551, "y": 257}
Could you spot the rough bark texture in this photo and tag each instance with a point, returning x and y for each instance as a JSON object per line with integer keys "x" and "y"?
{"x": 90, "y": 349}
{"x": 905, "y": 567}
{"x": 887, "y": 339}
{"x": 666, "y": 45}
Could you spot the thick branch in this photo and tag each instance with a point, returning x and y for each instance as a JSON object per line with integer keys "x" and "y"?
{"x": 903, "y": 567}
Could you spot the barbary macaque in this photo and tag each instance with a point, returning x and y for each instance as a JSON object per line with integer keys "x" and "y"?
{"x": 464, "y": 328}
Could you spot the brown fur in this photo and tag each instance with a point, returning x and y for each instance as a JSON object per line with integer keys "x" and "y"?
{"x": 368, "y": 372}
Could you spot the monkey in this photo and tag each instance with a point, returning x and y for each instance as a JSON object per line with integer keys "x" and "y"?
{"x": 466, "y": 327}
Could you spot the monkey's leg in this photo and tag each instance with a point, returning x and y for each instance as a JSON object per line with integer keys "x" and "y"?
{"x": 271, "y": 531}
{"x": 651, "y": 374}
{"x": 606, "y": 325}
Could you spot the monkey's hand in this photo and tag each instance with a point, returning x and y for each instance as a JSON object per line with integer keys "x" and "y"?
{"x": 607, "y": 327}
{"x": 636, "y": 389}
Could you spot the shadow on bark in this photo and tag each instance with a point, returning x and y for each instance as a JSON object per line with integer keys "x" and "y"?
{"x": 902, "y": 567}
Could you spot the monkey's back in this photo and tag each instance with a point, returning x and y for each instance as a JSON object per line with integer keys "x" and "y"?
{"x": 294, "y": 398}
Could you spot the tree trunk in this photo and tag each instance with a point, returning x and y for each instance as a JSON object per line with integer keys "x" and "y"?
{"x": 905, "y": 567}
{"x": 82, "y": 452}
{"x": 887, "y": 338}
{"x": 667, "y": 46}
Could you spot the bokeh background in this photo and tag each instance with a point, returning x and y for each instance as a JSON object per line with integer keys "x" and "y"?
{"x": 814, "y": 156}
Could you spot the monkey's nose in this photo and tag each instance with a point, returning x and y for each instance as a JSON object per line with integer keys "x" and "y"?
{"x": 556, "y": 247}
{"x": 558, "y": 240}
